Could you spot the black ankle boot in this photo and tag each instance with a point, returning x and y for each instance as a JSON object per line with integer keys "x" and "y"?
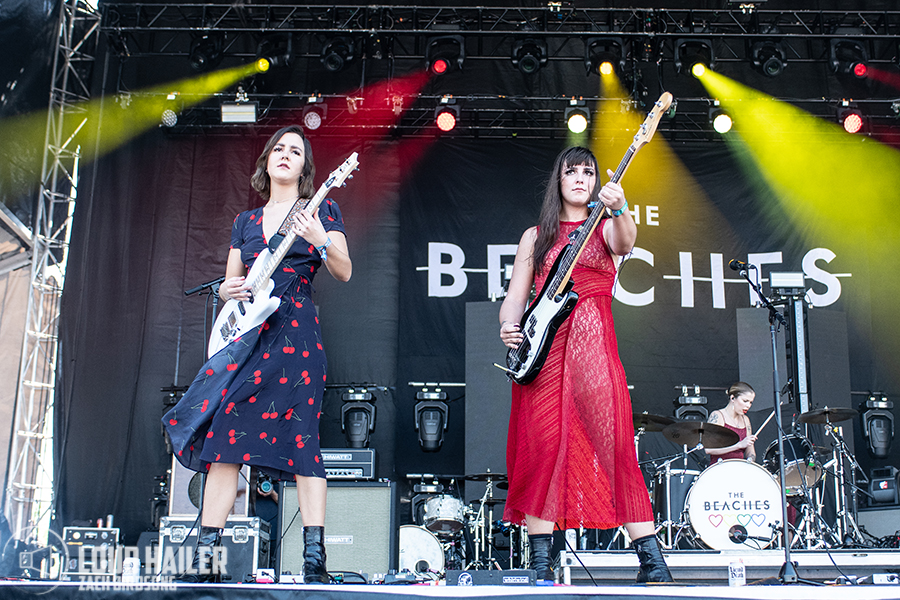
{"x": 314, "y": 570}
{"x": 653, "y": 565}
{"x": 201, "y": 566}
{"x": 541, "y": 545}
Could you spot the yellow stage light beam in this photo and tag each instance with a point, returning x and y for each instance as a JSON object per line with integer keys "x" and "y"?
{"x": 102, "y": 124}
{"x": 836, "y": 189}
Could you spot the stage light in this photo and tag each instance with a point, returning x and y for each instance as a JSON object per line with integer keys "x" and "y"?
{"x": 169, "y": 118}
{"x": 276, "y": 49}
{"x": 338, "y": 53}
{"x": 719, "y": 118}
{"x": 238, "y": 112}
{"x": 850, "y": 118}
{"x": 769, "y": 57}
{"x": 604, "y": 56}
{"x": 848, "y": 57}
{"x": 206, "y": 52}
{"x": 878, "y": 425}
{"x": 446, "y": 115}
{"x": 529, "y": 55}
{"x": 262, "y": 65}
{"x": 577, "y": 116}
{"x": 431, "y": 418}
{"x": 314, "y": 113}
{"x": 691, "y": 407}
{"x": 693, "y": 52}
{"x": 445, "y": 53}
{"x": 357, "y": 416}
{"x": 171, "y": 109}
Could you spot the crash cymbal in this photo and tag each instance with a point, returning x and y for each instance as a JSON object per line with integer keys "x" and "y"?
{"x": 692, "y": 433}
{"x": 486, "y": 477}
{"x": 827, "y": 415}
{"x": 650, "y": 422}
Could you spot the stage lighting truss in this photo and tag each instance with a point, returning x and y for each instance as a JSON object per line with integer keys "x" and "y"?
{"x": 314, "y": 113}
{"x": 719, "y": 118}
{"x": 206, "y": 52}
{"x": 577, "y": 116}
{"x": 446, "y": 115}
{"x": 850, "y": 117}
{"x": 529, "y": 55}
{"x": 338, "y": 54}
{"x": 769, "y": 57}
{"x": 604, "y": 56}
{"x": 848, "y": 58}
{"x": 690, "y": 52}
{"x": 445, "y": 53}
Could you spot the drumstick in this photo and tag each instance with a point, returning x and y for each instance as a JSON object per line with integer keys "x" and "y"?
{"x": 766, "y": 422}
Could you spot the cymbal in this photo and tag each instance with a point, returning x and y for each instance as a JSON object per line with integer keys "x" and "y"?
{"x": 827, "y": 415}
{"x": 486, "y": 477}
{"x": 692, "y": 433}
{"x": 650, "y": 422}
{"x": 490, "y": 501}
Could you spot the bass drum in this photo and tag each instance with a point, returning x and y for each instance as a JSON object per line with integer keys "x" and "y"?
{"x": 735, "y": 505}
{"x": 420, "y": 550}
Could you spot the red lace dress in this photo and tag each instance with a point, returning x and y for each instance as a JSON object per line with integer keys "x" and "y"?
{"x": 570, "y": 450}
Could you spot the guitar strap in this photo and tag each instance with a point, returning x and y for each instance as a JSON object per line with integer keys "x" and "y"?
{"x": 299, "y": 205}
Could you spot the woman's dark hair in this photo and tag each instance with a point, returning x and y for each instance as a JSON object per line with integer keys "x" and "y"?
{"x": 548, "y": 224}
{"x": 260, "y": 179}
{"x": 739, "y": 388}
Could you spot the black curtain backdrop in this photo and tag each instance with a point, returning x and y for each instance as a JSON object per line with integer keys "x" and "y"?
{"x": 155, "y": 221}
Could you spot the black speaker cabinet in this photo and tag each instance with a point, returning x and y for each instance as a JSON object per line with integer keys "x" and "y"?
{"x": 185, "y": 490}
{"x": 361, "y": 529}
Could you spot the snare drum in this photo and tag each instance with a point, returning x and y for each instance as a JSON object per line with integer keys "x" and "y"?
{"x": 801, "y": 467}
{"x": 444, "y": 514}
{"x": 420, "y": 550}
{"x": 734, "y": 505}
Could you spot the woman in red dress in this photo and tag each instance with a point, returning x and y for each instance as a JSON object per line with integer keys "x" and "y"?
{"x": 570, "y": 450}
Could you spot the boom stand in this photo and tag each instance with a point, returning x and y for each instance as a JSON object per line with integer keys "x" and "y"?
{"x": 788, "y": 572}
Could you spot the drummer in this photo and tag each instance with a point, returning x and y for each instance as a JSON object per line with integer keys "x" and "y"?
{"x": 734, "y": 417}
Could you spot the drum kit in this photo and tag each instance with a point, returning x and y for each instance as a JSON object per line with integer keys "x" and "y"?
{"x": 735, "y": 504}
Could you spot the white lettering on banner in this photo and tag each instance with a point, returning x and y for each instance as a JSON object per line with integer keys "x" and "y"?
{"x": 457, "y": 272}
{"x": 651, "y": 212}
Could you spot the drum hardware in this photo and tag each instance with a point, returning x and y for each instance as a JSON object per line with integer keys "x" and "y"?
{"x": 844, "y": 467}
{"x": 482, "y": 523}
{"x": 664, "y": 480}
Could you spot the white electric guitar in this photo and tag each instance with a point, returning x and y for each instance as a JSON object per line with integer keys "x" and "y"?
{"x": 238, "y": 317}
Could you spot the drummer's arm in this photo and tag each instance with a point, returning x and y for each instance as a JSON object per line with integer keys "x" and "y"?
{"x": 750, "y": 450}
{"x": 716, "y": 419}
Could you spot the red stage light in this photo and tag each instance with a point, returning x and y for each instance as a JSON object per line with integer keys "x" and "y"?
{"x": 440, "y": 66}
{"x": 445, "y": 120}
{"x": 860, "y": 70}
{"x": 853, "y": 122}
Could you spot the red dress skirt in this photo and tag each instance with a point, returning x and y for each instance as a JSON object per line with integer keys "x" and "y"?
{"x": 570, "y": 449}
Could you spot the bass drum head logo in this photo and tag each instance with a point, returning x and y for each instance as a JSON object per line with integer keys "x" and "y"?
{"x": 25, "y": 558}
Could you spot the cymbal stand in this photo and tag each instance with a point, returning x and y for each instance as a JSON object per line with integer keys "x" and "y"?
{"x": 482, "y": 530}
{"x": 669, "y": 523}
{"x": 845, "y": 488}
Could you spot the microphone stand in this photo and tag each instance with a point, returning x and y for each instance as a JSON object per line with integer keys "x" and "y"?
{"x": 213, "y": 287}
{"x": 788, "y": 572}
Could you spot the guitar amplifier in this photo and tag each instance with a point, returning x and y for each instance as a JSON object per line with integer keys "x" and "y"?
{"x": 349, "y": 463}
{"x": 91, "y": 553}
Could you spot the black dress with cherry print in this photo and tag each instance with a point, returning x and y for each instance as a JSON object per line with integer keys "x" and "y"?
{"x": 258, "y": 400}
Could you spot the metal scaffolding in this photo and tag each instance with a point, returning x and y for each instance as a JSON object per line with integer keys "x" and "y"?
{"x": 29, "y": 495}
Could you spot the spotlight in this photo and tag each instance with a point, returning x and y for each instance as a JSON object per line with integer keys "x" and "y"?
{"x": 238, "y": 112}
{"x": 173, "y": 106}
{"x": 769, "y": 57}
{"x": 693, "y": 52}
{"x": 577, "y": 116}
{"x": 338, "y": 53}
{"x": 849, "y": 58}
{"x": 604, "y": 55}
{"x": 274, "y": 51}
{"x": 878, "y": 425}
{"x": 446, "y": 115}
{"x": 206, "y": 52}
{"x": 357, "y": 416}
{"x": 431, "y": 418}
{"x": 691, "y": 407}
{"x": 169, "y": 118}
{"x": 529, "y": 55}
{"x": 850, "y": 117}
{"x": 442, "y": 52}
{"x": 314, "y": 113}
{"x": 719, "y": 118}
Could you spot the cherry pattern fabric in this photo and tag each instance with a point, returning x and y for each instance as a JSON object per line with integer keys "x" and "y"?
{"x": 742, "y": 433}
{"x": 258, "y": 400}
{"x": 570, "y": 448}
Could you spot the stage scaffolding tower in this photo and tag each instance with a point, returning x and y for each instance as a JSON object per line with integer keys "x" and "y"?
{"x": 29, "y": 496}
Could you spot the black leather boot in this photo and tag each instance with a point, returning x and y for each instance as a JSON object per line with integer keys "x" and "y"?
{"x": 653, "y": 565}
{"x": 200, "y": 570}
{"x": 314, "y": 570}
{"x": 541, "y": 545}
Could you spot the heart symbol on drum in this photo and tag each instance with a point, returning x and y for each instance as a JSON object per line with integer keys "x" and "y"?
{"x": 744, "y": 519}
{"x": 716, "y": 520}
{"x": 730, "y": 520}
{"x": 759, "y": 519}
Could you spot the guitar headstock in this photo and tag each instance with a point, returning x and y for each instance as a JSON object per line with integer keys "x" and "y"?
{"x": 648, "y": 127}
{"x": 343, "y": 172}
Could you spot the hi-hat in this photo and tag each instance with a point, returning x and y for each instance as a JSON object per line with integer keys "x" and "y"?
{"x": 486, "y": 477}
{"x": 691, "y": 433}
{"x": 650, "y": 422}
{"x": 827, "y": 415}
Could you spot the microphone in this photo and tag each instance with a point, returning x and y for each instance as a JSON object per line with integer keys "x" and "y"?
{"x": 203, "y": 286}
{"x": 737, "y": 265}
{"x": 737, "y": 534}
